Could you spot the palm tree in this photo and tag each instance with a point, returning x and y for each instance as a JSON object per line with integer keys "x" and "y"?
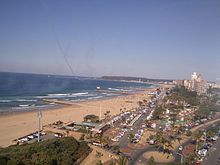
{"x": 113, "y": 162}
{"x": 148, "y": 123}
{"x": 116, "y": 149}
{"x": 122, "y": 160}
{"x": 99, "y": 162}
{"x": 163, "y": 141}
{"x": 210, "y": 133}
{"x": 131, "y": 136}
{"x": 104, "y": 140}
{"x": 151, "y": 161}
{"x": 197, "y": 136}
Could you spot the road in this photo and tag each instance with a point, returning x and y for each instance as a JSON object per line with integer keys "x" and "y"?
{"x": 136, "y": 154}
{"x": 213, "y": 156}
{"x": 137, "y": 125}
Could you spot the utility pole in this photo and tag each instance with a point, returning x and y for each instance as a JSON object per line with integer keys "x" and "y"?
{"x": 100, "y": 111}
{"x": 181, "y": 155}
{"x": 38, "y": 116}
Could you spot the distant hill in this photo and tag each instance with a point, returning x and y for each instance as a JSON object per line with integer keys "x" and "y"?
{"x": 122, "y": 78}
{"x": 63, "y": 151}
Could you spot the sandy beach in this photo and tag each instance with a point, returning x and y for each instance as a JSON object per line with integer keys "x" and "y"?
{"x": 17, "y": 125}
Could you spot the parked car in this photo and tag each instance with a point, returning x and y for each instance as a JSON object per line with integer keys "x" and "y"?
{"x": 59, "y": 135}
{"x": 180, "y": 148}
{"x": 214, "y": 138}
{"x": 202, "y": 152}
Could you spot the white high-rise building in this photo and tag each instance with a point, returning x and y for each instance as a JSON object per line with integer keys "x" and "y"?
{"x": 197, "y": 83}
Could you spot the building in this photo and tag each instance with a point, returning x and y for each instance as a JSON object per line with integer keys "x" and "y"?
{"x": 197, "y": 83}
{"x": 179, "y": 82}
{"x": 94, "y": 127}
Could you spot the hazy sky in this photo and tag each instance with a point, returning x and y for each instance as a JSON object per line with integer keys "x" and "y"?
{"x": 148, "y": 38}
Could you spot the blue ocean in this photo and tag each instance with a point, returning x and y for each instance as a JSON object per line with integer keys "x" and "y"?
{"x": 25, "y": 92}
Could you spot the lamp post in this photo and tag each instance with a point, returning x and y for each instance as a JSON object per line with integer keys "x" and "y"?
{"x": 181, "y": 155}
{"x": 38, "y": 116}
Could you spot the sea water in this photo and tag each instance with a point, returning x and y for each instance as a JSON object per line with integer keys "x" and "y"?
{"x": 22, "y": 92}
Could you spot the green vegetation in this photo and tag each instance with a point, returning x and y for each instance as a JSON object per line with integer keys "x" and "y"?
{"x": 99, "y": 162}
{"x": 182, "y": 94}
{"x": 158, "y": 113}
{"x": 63, "y": 151}
{"x": 122, "y": 160}
{"x": 91, "y": 118}
{"x": 151, "y": 161}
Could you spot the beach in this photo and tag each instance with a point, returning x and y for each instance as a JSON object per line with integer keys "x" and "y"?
{"x": 20, "y": 124}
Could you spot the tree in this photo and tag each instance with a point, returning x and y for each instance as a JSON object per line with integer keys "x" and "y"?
{"x": 113, "y": 162}
{"x": 151, "y": 161}
{"x": 188, "y": 133}
{"x": 91, "y": 118}
{"x": 82, "y": 137}
{"x": 98, "y": 154}
{"x": 131, "y": 136}
{"x": 210, "y": 133}
{"x": 99, "y": 162}
{"x": 148, "y": 123}
{"x": 189, "y": 159}
{"x": 63, "y": 151}
{"x": 116, "y": 149}
{"x": 122, "y": 160}
{"x": 197, "y": 136}
{"x": 140, "y": 103}
{"x": 104, "y": 140}
{"x": 158, "y": 112}
{"x": 163, "y": 142}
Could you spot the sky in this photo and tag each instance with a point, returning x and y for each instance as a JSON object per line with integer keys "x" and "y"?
{"x": 145, "y": 38}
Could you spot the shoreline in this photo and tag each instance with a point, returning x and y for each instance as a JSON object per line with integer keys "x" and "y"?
{"x": 16, "y": 125}
{"x": 62, "y": 103}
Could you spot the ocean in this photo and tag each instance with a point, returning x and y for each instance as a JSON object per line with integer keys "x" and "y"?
{"x": 25, "y": 92}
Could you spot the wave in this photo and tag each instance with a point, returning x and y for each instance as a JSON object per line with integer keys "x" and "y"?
{"x": 67, "y": 94}
{"x": 112, "y": 94}
{"x": 5, "y": 101}
{"x": 25, "y": 100}
{"x": 58, "y": 94}
{"x": 97, "y": 97}
{"x": 79, "y": 94}
{"x": 26, "y": 105}
{"x": 114, "y": 89}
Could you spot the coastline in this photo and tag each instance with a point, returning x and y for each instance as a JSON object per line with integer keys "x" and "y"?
{"x": 16, "y": 125}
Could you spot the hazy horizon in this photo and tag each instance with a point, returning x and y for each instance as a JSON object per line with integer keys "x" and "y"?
{"x": 152, "y": 39}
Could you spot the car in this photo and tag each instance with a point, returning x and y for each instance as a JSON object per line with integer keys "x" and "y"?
{"x": 180, "y": 148}
{"x": 202, "y": 152}
{"x": 115, "y": 139}
{"x": 30, "y": 136}
{"x": 43, "y": 133}
{"x": 25, "y": 139}
{"x": 151, "y": 142}
{"x": 59, "y": 135}
{"x": 214, "y": 138}
{"x": 200, "y": 159}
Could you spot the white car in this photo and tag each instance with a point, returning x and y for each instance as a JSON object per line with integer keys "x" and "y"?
{"x": 202, "y": 152}
{"x": 58, "y": 135}
{"x": 215, "y": 138}
{"x": 25, "y": 139}
{"x": 180, "y": 148}
{"x": 43, "y": 133}
{"x": 115, "y": 139}
{"x": 31, "y": 136}
{"x": 152, "y": 142}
